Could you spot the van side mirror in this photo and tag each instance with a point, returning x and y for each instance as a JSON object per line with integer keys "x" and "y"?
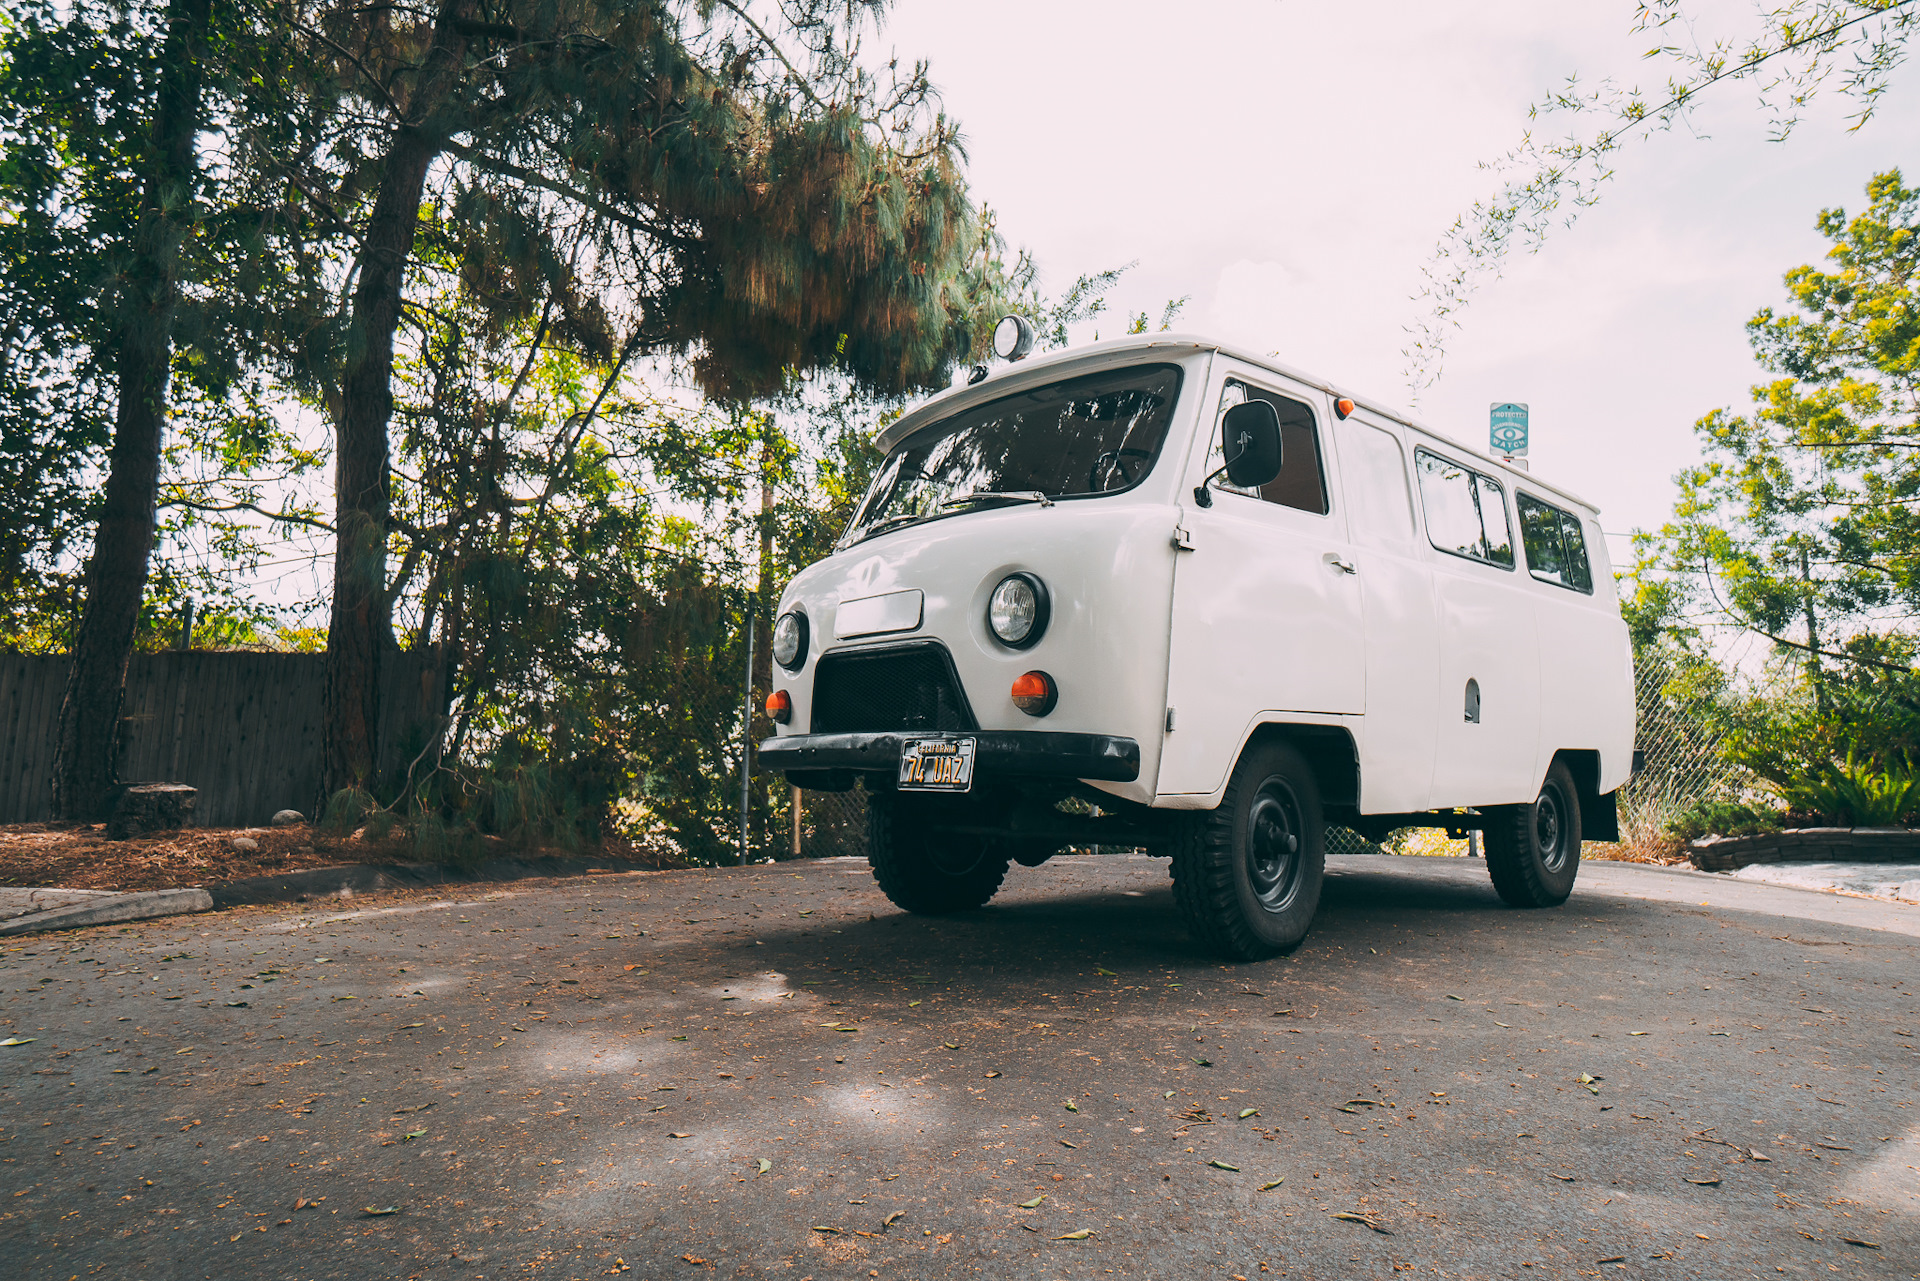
{"x": 1250, "y": 443}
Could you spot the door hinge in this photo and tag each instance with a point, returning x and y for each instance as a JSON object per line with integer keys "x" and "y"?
{"x": 1169, "y": 720}
{"x": 1182, "y": 540}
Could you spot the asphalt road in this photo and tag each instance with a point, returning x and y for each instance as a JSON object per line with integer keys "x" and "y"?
{"x": 769, "y": 1072}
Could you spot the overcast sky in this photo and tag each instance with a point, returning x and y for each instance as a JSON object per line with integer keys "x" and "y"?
{"x": 1291, "y": 165}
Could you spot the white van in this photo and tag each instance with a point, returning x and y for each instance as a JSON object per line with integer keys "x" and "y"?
{"x": 1159, "y": 592}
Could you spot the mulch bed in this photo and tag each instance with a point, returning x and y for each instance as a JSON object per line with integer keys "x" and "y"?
{"x": 79, "y": 855}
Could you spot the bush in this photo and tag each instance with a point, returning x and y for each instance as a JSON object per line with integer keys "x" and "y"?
{"x": 1722, "y": 818}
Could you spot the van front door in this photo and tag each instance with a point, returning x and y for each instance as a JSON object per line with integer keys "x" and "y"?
{"x": 1266, "y": 604}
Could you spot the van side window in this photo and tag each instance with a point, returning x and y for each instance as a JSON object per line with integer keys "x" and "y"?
{"x": 1556, "y": 544}
{"x": 1466, "y": 510}
{"x": 1302, "y": 482}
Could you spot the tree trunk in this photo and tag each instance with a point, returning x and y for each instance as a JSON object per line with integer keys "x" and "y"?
{"x": 86, "y": 740}
{"x": 360, "y": 630}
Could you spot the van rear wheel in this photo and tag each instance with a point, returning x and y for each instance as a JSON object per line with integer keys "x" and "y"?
{"x": 1533, "y": 851}
{"x": 1247, "y": 875}
{"x": 924, "y": 869}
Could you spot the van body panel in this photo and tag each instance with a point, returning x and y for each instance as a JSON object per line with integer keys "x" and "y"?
{"x": 1108, "y": 568}
{"x": 1185, "y": 628}
{"x": 1395, "y": 572}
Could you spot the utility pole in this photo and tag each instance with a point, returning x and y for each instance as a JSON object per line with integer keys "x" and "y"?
{"x": 746, "y": 738}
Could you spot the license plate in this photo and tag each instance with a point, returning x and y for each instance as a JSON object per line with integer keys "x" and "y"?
{"x": 936, "y": 764}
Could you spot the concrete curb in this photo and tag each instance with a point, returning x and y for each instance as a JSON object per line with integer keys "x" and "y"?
{"x": 120, "y": 907}
{"x": 349, "y": 880}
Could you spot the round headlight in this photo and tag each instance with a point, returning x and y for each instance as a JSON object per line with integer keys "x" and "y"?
{"x": 1017, "y": 611}
{"x": 790, "y": 641}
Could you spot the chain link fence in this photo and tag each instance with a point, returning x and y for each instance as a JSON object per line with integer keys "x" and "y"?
{"x": 1678, "y": 731}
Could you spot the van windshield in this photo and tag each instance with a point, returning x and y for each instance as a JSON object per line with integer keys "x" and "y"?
{"x": 1077, "y": 438}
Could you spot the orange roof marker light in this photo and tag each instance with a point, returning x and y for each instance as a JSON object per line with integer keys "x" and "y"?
{"x": 1343, "y": 407}
{"x": 1035, "y": 693}
{"x": 780, "y": 706}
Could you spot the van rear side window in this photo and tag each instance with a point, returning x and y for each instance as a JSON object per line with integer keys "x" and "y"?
{"x": 1466, "y": 511}
{"x": 1556, "y": 545}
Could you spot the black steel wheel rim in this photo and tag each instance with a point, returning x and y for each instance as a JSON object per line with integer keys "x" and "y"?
{"x": 1550, "y": 827}
{"x": 1274, "y": 834}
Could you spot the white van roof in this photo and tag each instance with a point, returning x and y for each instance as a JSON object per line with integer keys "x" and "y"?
{"x": 1006, "y": 377}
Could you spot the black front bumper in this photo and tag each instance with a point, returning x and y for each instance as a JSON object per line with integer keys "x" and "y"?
{"x": 825, "y": 760}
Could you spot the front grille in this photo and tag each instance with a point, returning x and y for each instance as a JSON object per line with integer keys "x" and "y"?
{"x": 896, "y": 687}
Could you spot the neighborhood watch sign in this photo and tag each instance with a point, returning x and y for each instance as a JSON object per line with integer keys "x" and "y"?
{"x": 1507, "y": 429}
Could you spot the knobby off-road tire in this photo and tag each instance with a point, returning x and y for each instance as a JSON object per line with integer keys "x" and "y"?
{"x": 1247, "y": 875}
{"x": 923, "y": 869}
{"x": 1533, "y": 851}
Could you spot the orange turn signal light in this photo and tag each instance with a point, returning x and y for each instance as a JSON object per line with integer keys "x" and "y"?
{"x": 780, "y": 706}
{"x": 1343, "y": 407}
{"x": 1035, "y": 693}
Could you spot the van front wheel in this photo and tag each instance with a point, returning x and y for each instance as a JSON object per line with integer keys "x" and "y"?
{"x": 923, "y": 869}
{"x": 1247, "y": 875}
{"x": 1533, "y": 851}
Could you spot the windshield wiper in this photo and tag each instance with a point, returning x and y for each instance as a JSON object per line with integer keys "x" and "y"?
{"x": 1016, "y": 495}
{"x": 891, "y": 522}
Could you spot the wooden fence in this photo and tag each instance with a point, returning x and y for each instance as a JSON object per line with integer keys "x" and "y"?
{"x": 244, "y": 728}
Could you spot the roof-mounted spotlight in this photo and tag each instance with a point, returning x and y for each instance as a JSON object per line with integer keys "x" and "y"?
{"x": 1013, "y": 338}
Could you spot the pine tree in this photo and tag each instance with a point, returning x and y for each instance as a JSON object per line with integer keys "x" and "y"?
{"x": 679, "y": 181}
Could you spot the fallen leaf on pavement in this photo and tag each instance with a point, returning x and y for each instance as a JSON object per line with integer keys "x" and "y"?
{"x": 1033, "y": 1204}
{"x": 765, "y": 1165}
{"x": 695, "y": 1260}
{"x": 1268, "y": 1187}
{"x": 1222, "y": 1165}
{"x": 892, "y": 1219}
{"x": 679, "y": 1136}
{"x": 1071, "y": 1106}
{"x": 19, "y": 1040}
{"x": 1204, "y": 1062}
{"x": 1065, "y": 1144}
{"x": 392, "y": 1209}
{"x": 1084, "y": 1233}
{"x": 1712, "y": 1182}
{"x": 821, "y": 1227}
{"x": 991, "y": 1075}
{"x": 1247, "y": 1112}
{"x": 1870, "y": 1245}
{"x": 1363, "y": 1219}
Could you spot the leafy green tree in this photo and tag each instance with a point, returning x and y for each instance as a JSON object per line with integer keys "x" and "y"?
{"x": 135, "y": 274}
{"x": 684, "y": 182}
{"x": 1799, "y": 526}
{"x": 1800, "y": 523}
